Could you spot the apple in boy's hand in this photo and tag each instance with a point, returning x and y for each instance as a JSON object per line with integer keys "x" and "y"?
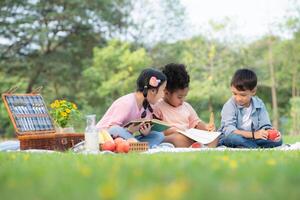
{"x": 123, "y": 147}
{"x": 196, "y": 145}
{"x": 109, "y": 146}
{"x": 272, "y": 134}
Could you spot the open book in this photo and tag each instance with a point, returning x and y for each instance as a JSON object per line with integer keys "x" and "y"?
{"x": 204, "y": 137}
{"x": 156, "y": 125}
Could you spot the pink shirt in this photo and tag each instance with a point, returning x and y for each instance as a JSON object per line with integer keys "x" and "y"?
{"x": 122, "y": 111}
{"x": 182, "y": 117}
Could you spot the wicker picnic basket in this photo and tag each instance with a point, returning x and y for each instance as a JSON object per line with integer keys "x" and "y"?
{"x": 33, "y": 124}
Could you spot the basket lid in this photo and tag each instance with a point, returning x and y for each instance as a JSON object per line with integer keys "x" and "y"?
{"x": 28, "y": 113}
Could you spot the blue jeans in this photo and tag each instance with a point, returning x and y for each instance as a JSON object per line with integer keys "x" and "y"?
{"x": 235, "y": 140}
{"x": 153, "y": 138}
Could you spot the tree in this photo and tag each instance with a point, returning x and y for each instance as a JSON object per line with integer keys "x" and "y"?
{"x": 112, "y": 74}
{"x": 48, "y": 39}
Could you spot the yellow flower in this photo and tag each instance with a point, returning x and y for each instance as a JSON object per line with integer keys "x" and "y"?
{"x": 56, "y": 104}
{"x": 13, "y": 156}
{"x": 26, "y": 157}
{"x": 108, "y": 190}
{"x": 61, "y": 110}
{"x": 64, "y": 114}
{"x": 85, "y": 171}
{"x": 74, "y": 106}
{"x": 233, "y": 164}
{"x": 225, "y": 158}
{"x": 271, "y": 162}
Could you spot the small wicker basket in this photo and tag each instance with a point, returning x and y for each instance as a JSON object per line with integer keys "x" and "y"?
{"x": 138, "y": 146}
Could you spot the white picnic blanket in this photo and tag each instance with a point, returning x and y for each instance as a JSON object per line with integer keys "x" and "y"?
{"x": 13, "y": 145}
{"x": 284, "y": 147}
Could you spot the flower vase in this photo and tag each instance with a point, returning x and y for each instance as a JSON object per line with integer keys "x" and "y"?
{"x": 65, "y": 130}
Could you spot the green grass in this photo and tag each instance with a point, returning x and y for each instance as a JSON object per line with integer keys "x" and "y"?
{"x": 291, "y": 139}
{"x": 198, "y": 175}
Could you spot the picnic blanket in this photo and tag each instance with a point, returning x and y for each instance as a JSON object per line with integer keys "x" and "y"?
{"x": 13, "y": 145}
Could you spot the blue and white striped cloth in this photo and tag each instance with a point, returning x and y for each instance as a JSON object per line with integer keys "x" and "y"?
{"x": 33, "y": 106}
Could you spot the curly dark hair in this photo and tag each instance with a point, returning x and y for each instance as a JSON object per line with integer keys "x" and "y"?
{"x": 177, "y": 76}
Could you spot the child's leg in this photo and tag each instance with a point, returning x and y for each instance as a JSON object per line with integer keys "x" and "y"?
{"x": 235, "y": 140}
{"x": 118, "y": 131}
{"x": 179, "y": 140}
{"x": 268, "y": 143}
{"x": 153, "y": 138}
{"x": 214, "y": 143}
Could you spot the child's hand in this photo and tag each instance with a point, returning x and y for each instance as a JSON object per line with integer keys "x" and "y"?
{"x": 210, "y": 127}
{"x": 170, "y": 131}
{"x": 278, "y": 137}
{"x": 133, "y": 128}
{"x": 261, "y": 134}
{"x": 145, "y": 128}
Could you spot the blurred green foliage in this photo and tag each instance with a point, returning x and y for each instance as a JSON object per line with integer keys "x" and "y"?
{"x": 70, "y": 48}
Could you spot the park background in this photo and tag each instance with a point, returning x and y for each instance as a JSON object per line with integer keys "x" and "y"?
{"x": 91, "y": 52}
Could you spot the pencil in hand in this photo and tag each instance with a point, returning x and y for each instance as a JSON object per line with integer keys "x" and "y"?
{"x": 211, "y": 124}
{"x": 212, "y": 118}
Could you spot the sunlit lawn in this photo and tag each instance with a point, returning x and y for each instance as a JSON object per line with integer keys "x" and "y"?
{"x": 199, "y": 175}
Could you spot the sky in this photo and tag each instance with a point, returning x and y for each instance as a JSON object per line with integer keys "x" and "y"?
{"x": 250, "y": 17}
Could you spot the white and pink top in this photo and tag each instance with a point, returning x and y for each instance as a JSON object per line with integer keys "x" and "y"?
{"x": 182, "y": 117}
{"x": 122, "y": 111}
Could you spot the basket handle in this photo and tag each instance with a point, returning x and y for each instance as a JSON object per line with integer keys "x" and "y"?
{"x": 11, "y": 90}
{"x": 37, "y": 90}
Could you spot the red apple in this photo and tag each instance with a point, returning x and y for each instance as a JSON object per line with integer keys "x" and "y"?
{"x": 197, "y": 145}
{"x": 109, "y": 146}
{"x": 272, "y": 134}
{"x": 123, "y": 147}
{"x": 132, "y": 140}
{"x": 118, "y": 140}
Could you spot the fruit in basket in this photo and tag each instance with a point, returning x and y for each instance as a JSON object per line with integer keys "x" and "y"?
{"x": 106, "y": 135}
{"x": 118, "y": 140}
{"x": 108, "y": 146}
{"x": 101, "y": 138}
{"x": 122, "y": 147}
{"x": 132, "y": 140}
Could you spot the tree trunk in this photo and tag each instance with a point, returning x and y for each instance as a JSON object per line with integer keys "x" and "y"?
{"x": 33, "y": 79}
{"x": 294, "y": 73}
{"x": 273, "y": 86}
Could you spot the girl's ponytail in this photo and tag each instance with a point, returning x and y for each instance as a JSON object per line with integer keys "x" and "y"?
{"x": 146, "y": 104}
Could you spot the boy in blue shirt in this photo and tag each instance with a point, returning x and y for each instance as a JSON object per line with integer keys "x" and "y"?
{"x": 245, "y": 120}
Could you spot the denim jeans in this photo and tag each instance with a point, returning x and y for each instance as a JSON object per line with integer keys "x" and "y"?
{"x": 235, "y": 140}
{"x": 153, "y": 138}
